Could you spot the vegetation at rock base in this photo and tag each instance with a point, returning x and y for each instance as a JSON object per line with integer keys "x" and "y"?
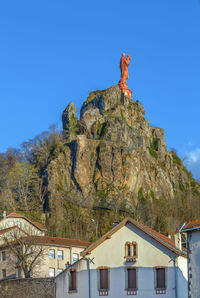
{"x": 104, "y": 173}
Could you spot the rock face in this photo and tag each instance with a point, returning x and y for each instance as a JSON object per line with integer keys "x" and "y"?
{"x": 112, "y": 153}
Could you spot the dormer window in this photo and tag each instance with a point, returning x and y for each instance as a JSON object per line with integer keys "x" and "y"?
{"x": 131, "y": 251}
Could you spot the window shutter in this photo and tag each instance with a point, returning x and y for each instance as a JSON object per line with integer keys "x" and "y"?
{"x": 73, "y": 280}
{"x": 103, "y": 278}
{"x": 160, "y": 278}
{"x": 135, "y": 250}
{"x": 132, "y": 278}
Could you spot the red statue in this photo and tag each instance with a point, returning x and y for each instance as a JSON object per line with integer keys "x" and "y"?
{"x": 124, "y": 63}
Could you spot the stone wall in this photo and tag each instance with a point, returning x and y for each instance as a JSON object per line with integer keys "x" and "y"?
{"x": 27, "y": 288}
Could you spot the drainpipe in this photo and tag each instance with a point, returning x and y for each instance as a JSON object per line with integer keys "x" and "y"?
{"x": 175, "y": 277}
{"x": 70, "y": 255}
{"x": 89, "y": 276}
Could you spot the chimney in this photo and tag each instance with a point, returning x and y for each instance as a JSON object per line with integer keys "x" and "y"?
{"x": 169, "y": 236}
{"x": 115, "y": 223}
{"x": 177, "y": 240}
{"x": 4, "y": 214}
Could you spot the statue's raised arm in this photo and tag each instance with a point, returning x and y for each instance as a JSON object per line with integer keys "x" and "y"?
{"x": 124, "y": 63}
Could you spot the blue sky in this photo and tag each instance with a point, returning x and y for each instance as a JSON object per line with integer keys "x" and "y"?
{"x": 56, "y": 51}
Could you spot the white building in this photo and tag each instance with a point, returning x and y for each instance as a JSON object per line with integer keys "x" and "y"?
{"x": 192, "y": 228}
{"x": 130, "y": 260}
{"x": 24, "y": 223}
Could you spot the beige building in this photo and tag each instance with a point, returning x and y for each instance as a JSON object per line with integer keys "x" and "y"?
{"x": 56, "y": 253}
{"x": 16, "y": 219}
{"x": 59, "y": 253}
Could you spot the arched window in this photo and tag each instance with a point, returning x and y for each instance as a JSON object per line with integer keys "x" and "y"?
{"x": 131, "y": 251}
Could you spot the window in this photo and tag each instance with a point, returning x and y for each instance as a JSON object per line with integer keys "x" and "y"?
{"x": 59, "y": 271}
{"x": 160, "y": 280}
{"x": 60, "y": 254}
{"x": 51, "y": 272}
{"x": 131, "y": 251}
{"x": 131, "y": 276}
{"x": 131, "y": 281}
{"x": 18, "y": 223}
{"x": 29, "y": 251}
{"x": 75, "y": 258}
{"x": 19, "y": 273}
{"x": 11, "y": 223}
{"x": 72, "y": 280}
{"x": 52, "y": 253}
{"x": 3, "y": 273}
{"x": 3, "y": 255}
{"x": 67, "y": 265}
{"x": 103, "y": 281}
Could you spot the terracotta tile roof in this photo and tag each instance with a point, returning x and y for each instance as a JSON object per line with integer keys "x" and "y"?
{"x": 3, "y": 231}
{"x": 17, "y": 215}
{"x": 61, "y": 241}
{"x": 161, "y": 236}
{"x": 39, "y": 225}
{"x": 7, "y": 230}
{"x": 164, "y": 240}
{"x": 192, "y": 225}
{"x": 14, "y": 214}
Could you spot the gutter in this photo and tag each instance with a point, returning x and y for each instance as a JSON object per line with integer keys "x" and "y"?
{"x": 175, "y": 277}
{"x": 182, "y": 230}
{"x": 190, "y": 229}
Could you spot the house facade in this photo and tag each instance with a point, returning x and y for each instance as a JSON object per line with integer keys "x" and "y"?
{"x": 192, "y": 229}
{"x": 57, "y": 252}
{"x": 130, "y": 260}
{"x": 16, "y": 219}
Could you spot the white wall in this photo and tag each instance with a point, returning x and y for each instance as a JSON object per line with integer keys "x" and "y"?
{"x": 182, "y": 277}
{"x": 62, "y": 282}
{"x": 111, "y": 253}
{"x": 22, "y": 223}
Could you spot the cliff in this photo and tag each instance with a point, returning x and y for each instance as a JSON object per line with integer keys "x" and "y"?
{"x": 112, "y": 158}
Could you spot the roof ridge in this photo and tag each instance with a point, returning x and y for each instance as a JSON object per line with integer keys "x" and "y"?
{"x": 75, "y": 239}
{"x": 164, "y": 240}
{"x": 34, "y": 223}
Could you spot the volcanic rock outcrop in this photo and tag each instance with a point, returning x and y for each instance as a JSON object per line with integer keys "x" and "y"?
{"x": 112, "y": 153}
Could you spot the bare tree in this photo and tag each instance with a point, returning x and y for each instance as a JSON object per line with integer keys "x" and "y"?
{"x": 24, "y": 251}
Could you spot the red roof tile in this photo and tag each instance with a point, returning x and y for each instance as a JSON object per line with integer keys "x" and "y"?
{"x": 164, "y": 240}
{"x": 191, "y": 224}
{"x": 7, "y": 230}
{"x": 161, "y": 236}
{"x": 3, "y": 231}
{"x": 61, "y": 241}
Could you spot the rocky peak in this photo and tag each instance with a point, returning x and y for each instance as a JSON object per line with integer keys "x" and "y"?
{"x": 112, "y": 153}
{"x": 69, "y": 121}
